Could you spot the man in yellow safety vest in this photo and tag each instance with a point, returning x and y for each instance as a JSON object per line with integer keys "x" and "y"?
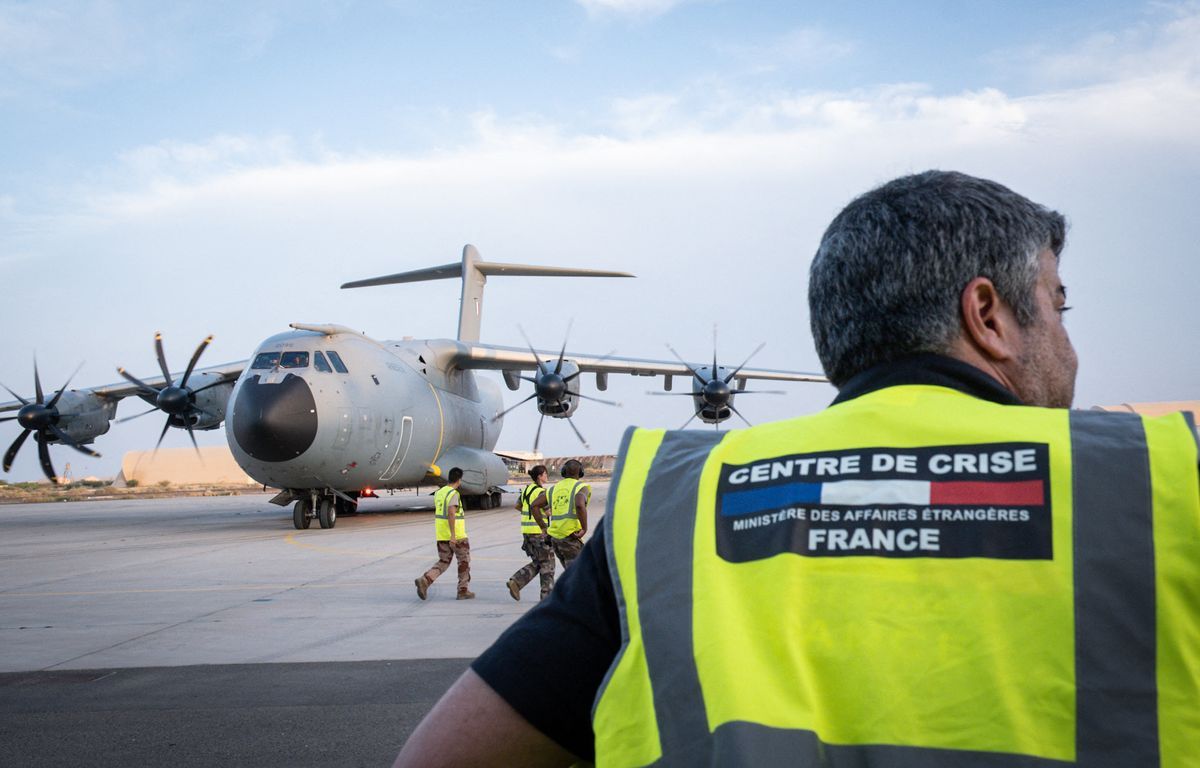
{"x": 567, "y": 501}
{"x": 946, "y": 567}
{"x": 535, "y": 539}
{"x": 451, "y": 529}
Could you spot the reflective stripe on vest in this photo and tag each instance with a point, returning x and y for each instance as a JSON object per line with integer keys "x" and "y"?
{"x": 531, "y": 493}
{"x": 441, "y": 502}
{"x": 1132, "y": 702}
{"x": 564, "y": 518}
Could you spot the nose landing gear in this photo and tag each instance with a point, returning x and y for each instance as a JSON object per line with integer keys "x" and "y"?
{"x": 324, "y": 506}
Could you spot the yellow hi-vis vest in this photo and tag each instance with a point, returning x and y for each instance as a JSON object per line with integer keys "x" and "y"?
{"x": 564, "y": 520}
{"x": 911, "y": 578}
{"x": 446, "y": 497}
{"x": 529, "y": 526}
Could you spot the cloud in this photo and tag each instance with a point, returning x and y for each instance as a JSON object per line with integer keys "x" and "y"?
{"x": 802, "y": 47}
{"x": 636, "y": 9}
{"x": 1167, "y": 40}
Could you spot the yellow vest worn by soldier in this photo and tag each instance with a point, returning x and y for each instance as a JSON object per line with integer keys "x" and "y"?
{"x": 914, "y": 577}
{"x": 445, "y": 497}
{"x": 564, "y": 518}
{"x": 529, "y": 526}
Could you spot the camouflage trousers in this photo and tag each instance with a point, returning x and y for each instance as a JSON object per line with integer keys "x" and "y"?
{"x": 460, "y": 549}
{"x": 538, "y": 548}
{"x": 567, "y": 549}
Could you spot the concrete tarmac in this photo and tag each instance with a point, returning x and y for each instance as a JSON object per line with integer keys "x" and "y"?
{"x": 206, "y": 631}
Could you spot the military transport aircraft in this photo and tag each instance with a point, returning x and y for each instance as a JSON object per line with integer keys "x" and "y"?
{"x": 326, "y": 413}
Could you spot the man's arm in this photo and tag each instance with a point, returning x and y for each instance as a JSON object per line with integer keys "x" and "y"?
{"x": 581, "y": 512}
{"x": 472, "y": 725}
{"x": 536, "y": 508}
{"x": 451, "y": 514}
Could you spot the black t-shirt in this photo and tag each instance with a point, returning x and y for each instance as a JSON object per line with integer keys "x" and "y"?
{"x": 549, "y": 664}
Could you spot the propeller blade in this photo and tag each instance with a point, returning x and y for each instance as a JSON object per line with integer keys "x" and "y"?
{"x": 11, "y": 453}
{"x": 500, "y": 415}
{"x": 161, "y": 436}
{"x": 14, "y": 394}
{"x": 597, "y": 400}
{"x": 687, "y": 365}
{"x": 134, "y": 380}
{"x": 136, "y": 416}
{"x": 672, "y": 394}
{"x": 54, "y": 400}
{"x": 562, "y": 352}
{"x": 37, "y": 384}
{"x": 65, "y": 439}
{"x": 758, "y": 392}
{"x": 538, "y": 435}
{"x": 209, "y": 386}
{"x": 195, "y": 357}
{"x": 740, "y": 416}
{"x": 575, "y": 429}
{"x": 9, "y": 418}
{"x": 195, "y": 445}
{"x": 689, "y": 421}
{"x": 714, "y": 368}
{"x": 568, "y": 379}
{"x": 530, "y": 379}
{"x": 44, "y": 458}
{"x": 162, "y": 359}
{"x": 541, "y": 366}
{"x": 757, "y": 349}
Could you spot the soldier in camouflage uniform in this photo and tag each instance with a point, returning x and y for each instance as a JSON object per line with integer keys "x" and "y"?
{"x": 534, "y": 539}
{"x": 567, "y": 501}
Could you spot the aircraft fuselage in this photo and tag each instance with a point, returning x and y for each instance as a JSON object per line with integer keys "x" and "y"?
{"x": 338, "y": 410}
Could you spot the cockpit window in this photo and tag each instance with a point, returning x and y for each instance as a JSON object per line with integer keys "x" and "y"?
{"x": 320, "y": 363}
{"x": 265, "y": 361}
{"x": 294, "y": 360}
{"x": 336, "y": 359}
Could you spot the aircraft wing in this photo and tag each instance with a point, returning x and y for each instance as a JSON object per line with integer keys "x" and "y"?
{"x": 123, "y": 389}
{"x": 498, "y": 358}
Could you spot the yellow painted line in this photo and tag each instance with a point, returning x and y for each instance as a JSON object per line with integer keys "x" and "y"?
{"x": 441, "y": 421}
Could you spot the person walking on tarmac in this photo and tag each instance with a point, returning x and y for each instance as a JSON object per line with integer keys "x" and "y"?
{"x": 451, "y": 538}
{"x": 535, "y": 541}
{"x": 568, "y": 500}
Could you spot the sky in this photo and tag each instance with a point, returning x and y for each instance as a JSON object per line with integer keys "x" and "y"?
{"x": 222, "y": 167}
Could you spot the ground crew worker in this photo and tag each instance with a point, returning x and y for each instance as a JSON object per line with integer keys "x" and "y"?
{"x": 451, "y": 528}
{"x": 535, "y": 540}
{"x": 945, "y": 567}
{"x": 568, "y": 500}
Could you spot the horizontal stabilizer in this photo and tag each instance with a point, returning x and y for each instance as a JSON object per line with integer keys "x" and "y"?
{"x": 474, "y": 273}
{"x": 415, "y": 276}
{"x": 486, "y": 268}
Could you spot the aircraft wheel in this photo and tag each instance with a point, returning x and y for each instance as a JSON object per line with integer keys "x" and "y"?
{"x": 345, "y": 507}
{"x": 326, "y": 513}
{"x": 496, "y": 499}
{"x": 302, "y": 514}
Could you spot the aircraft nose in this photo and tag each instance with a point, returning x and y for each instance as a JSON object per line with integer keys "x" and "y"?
{"x": 275, "y": 422}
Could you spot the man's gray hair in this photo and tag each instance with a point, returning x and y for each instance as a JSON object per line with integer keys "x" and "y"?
{"x": 887, "y": 278}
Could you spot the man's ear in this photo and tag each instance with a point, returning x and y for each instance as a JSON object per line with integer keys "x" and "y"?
{"x": 988, "y": 322}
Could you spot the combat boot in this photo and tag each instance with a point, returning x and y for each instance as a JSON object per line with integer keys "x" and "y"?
{"x": 514, "y": 590}
{"x": 422, "y": 587}
{"x": 466, "y": 594}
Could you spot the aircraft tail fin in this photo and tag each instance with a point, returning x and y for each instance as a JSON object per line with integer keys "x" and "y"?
{"x": 474, "y": 272}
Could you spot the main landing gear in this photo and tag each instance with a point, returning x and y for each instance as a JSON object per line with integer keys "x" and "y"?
{"x": 324, "y": 507}
{"x": 485, "y": 501}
